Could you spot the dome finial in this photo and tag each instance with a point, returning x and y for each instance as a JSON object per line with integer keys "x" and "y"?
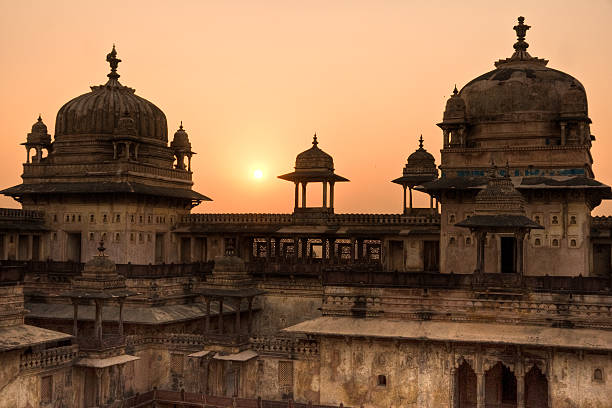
{"x": 39, "y": 118}
{"x": 314, "y": 140}
{"x": 101, "y": 248}
{"x": 455, "y": 92}
{"x": 181, "y": 126}
{"x": 112, "y": 59}
{"x": 421, "y": 142}
{"x": 521, "y": 31}
{"x": 507, "y": 169}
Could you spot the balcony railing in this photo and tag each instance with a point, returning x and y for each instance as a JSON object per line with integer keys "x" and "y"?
{"x": 48, "y": 358}
{"x": 108, "y": 341}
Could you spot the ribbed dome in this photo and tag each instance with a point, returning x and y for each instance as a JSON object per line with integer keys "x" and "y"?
{"x": 99, "y": 111}
{"x": 181, "y": 139}
{"x": 518, "y": 103}
{"x": 314, "y": 158}
{"x": 39, "y": 133}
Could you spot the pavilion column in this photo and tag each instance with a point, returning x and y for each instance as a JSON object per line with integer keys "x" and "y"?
{"x": 297, "y": 194}
{"x": 114, "y": 150}
{"x": 250, "y": 318}
{"x": 325, "y": 194}
{"x": 28, "y": 155}
{"x": 98, "y": 322}
{"x": 404, "y": 211}
{"x": 75, "y": 323}
{"x": 520, "y": 387}
{"x": 359, "y": 249}
{"x": 238, "y": 303}
{"x": 331, "y": 196}
{"x": 221, "y": 315}
{"x": 189, "y": 162}
{"x": 480, "y": 251}
{"x": 296, "y": 243}
{"x": 121, "y": 301}
{"x": 480, "y": 388}
{"x": 324, "y": 246}
{"x": 268, "y": 248}
{"x": 453, "y": 387}
{"x": 520, "y": 237}
{"x": 98, "y": 372}
{"x": 445, "y": 133}
{"x": 304, "y": 194}
{"x": 207, "y": 321}
{"x": 563, "y": 134}
{"x": 352, "y": 249}
{"x": 410, "y": 190}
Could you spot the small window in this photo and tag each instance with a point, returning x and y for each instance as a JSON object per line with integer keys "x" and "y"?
{"x": 67, "y": 218}
{"x": 598, "y": 374}
{"x": 555, "y": 242}
{"x": 73, "y": 218}
{"x": 132, "y": 218}
{"x": 140, "y": 237}
{"x": 573, "y": 243}
{"x": 92, "y": 218}
{"x": 149, "y": 219}
{"x": 118, "y": 218}
{"x": 131, "y": 236}
{"x": 148, "y": 237}
{"x": 468, "y": 241}
{"x": 140, "y": 219}
{"x": 537, "y": 242}
{"x": 54, "y": 237}
{"x": 382, "y": 380}
{"x": 91, "y": 236}
{"x": 555, "y": 220}
{"x": 79, "y": 217}
{"x": 451, "y": 219}
{"x": 117, "y": 237}
{"x": 537, "y": 219}
{"x": 104, "y": 218}
{"x": 451, "y": 241}
{"x": 573, "y": 220}
{"x": 104, "y": 236}
{"x": 54, "y": 217}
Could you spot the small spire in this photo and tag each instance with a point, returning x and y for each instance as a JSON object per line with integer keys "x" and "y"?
{"x": 455, "y": 92}
{"x": 421, "y": 142}
{"x": 39, "y": 118}
{"x": 101, "y": 248}
{"x": 113, "y": 61}
{"x": 314, "y": 140}
{"x": 507, "y": 169}
{"x": 521, "y": 31}
{"x": 181, "y": 127}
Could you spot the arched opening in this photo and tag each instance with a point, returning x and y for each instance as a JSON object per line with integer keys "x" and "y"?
{"x": 466, "y": 386}
{"x": 500, "y": 387}
{"x": 536, "y": 389}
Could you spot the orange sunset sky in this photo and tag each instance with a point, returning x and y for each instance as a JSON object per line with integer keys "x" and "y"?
{"x": 253, "y": 80}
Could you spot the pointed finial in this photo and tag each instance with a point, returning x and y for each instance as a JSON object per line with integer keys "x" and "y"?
{"x": 521, "y": 31}
{"x": 39, "y": 118}
{"x": 101, "y": 248}
{"x": 113, "y": 61}
{"x": 455, "y": 92}
{"x": 421, "y": 142}
{"x": 314, "y": 140}
{"x": 181, "y": 127}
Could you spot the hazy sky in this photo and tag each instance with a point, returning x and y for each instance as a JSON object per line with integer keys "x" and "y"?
{"x": 253, "y": 80}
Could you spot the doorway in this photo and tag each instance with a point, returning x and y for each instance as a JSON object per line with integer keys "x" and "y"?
{"x": 508, "y": 254}
{"x": 73, "y": 247}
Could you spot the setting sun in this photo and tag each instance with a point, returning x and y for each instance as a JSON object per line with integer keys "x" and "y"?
{"x": 258, "y": 174}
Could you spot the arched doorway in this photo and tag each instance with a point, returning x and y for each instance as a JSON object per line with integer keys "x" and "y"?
{"x": 500, "y": 387}
{"x": 536, "y": 389}
{"x": 466, "y": 386}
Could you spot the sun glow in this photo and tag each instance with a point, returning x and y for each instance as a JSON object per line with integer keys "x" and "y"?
{"x": 258, "y": 174}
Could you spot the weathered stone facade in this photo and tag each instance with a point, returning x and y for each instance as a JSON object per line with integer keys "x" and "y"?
{"x": 496, "y": 295}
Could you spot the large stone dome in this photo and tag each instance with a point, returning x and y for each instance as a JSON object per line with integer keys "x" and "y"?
{"x": 520, "y": 102}
{"x": 99, "y": 111}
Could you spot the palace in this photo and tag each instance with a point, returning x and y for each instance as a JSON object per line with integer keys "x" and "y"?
{"x": 115, "y": 293}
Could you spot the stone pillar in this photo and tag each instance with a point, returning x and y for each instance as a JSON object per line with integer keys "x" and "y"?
{"x": 27, "y": 155}
{"x": 238, "y": 303}
{"x": 98, "y": 322}
{"x": 331, "y": 196}
{"x": 404, "y": 208}
{"x": 297, "y": 193}
{"x": 453, "y": 387}
{"x": 250, "y": 321}
{"x": 121, "y": 301}
{"x": 75, "y": 323}
{"x": 520, "y": 389}
{"x": 410, "y": 188}
{"x": 352, "y": 249}
{"x": 114, "y": 150}
{"x": 221, "y": 315}
{"x": 519, "y": 252}
{"x": 325, "y": 194}
{"x": 207, "y": 321}
{"x": 563, "y": 133}
{"x": 98, "y": 372}
{"x": 304, "y": 194}
{"x": 189, "y": 162}
{"x": 445, "y": 135}
{"x": 480, "y": 251}
{"x": 480, "y": 388}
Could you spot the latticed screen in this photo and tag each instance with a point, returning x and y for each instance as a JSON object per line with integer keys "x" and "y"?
{"x": 285, "y": 379}
{"x": 176, "y": 364}
{"x": 46, "y": 389}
